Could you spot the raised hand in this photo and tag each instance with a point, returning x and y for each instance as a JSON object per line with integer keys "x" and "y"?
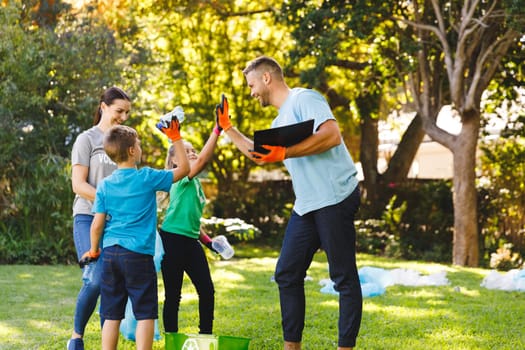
{"x": 222, "y": 115}
{"x": 172, "y": 131}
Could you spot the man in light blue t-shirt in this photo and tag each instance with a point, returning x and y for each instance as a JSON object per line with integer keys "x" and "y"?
{"x": 325, "y": 183}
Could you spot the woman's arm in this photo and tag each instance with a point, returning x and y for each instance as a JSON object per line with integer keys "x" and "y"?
{"x": 79, "y": 182}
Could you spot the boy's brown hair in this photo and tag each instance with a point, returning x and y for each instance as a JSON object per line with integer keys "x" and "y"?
{"x": 118, "y": 140}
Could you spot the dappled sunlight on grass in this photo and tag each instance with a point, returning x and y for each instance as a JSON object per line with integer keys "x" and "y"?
{"x": 8, "y": 330}
{"x": 319, "y": 265}
{"x": 420, "y": 293}
{"x": 474, "y": 293}
{"x": 250, "y": 251}
{"x": 189, "y": 297}
{"x": 408, "y": 312}
{"x": 224, "y": 275}
{"x": 330, "y": 303}
{"x": 459, "y": 316}
{"x": 446, "y": 333}
{"x": 253, "y": 265}
{"x": 42, "y": 324}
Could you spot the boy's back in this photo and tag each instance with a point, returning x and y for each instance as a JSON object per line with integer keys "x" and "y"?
{"x": 128, "y": 197}
{"x": 125, "y": 216}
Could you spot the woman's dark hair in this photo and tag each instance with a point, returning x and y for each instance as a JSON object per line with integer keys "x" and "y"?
{"x": 110, "y": 95}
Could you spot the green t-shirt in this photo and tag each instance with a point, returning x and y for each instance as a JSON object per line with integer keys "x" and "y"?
{"x": 184, "y": 212}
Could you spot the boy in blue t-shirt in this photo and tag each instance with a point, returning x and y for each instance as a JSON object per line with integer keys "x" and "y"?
{"x": 125, "y": 217}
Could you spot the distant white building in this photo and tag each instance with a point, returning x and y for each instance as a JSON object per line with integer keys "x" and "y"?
{"x": 432, "y": 160}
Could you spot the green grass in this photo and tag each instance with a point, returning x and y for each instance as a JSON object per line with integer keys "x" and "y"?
{"x": 37, "y": 304}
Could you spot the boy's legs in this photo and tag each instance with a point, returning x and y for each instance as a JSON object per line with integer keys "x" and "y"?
{"x": 110, "y": 333}
{"x": 144, "y": 334}
{"x": 299, "y": 245}
{"x": 141, "y": 284}
{"x": 127, "y": 273}
{"x": 113, "y": 295}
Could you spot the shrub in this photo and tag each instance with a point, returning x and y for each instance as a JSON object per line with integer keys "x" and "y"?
{"x": 38, "y": 229}
{"x": 504, "y": 259}
{"x": 234, "y": 229}
{"x": 416, "y": 223}
{"x": 502, "y": 198}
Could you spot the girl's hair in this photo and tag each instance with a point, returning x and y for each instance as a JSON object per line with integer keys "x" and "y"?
{"x": 117, "y": 141}
{"x": 110, "y": 95}
{"x": 168, "y": 164}
{"x": 171, "y": 153}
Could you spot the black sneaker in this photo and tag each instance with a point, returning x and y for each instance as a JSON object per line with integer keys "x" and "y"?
{"x": 75, "y": 344}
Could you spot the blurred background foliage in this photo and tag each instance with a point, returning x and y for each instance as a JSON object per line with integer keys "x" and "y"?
{"x": 57, "y": 57}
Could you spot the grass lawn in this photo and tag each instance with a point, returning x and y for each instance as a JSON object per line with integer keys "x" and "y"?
{"x": 37, "y": 304}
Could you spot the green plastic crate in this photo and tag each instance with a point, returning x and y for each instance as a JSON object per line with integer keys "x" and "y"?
{"x": 233, "y": 343}
{"x": 181, "y": 341}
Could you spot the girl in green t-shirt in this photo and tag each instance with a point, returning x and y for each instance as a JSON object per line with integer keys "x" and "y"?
{"x": 180, "y": 233}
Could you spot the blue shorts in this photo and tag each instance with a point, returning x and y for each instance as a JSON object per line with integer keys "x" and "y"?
{"x": 128, "y": 274}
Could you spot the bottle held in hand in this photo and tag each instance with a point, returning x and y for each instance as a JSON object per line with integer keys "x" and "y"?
{"x": 222, "y": 246}
{"x": 177, "y": 113}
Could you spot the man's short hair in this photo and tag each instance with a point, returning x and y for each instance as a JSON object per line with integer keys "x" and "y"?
{"x": 264, "y": 64}
{"x": 117, "y": 141}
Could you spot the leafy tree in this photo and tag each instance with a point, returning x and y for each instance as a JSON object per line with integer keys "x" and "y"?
{"x": 442, "y": 51}
{"x": 359, "y": 73}
{"x": 197, "y": 50}
{"x": 51, "y": 74}
{"x": 453, "y": 52}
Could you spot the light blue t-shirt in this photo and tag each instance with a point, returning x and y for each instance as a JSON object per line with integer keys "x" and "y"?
{"x": 322, "y": 179}
{"x": 128, "y": 198}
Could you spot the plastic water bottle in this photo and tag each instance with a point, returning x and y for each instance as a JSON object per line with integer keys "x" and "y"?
{"x": 221, "y": 245}
{"x": 176, "y": 113}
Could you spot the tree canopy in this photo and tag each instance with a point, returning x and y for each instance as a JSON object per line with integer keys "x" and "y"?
{"x": 369, "y": 59}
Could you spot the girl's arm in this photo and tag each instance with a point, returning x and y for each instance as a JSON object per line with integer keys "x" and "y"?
{"x": 205, "y": 155}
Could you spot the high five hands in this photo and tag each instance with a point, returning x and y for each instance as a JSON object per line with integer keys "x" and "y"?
{"x": 222, "y": 114}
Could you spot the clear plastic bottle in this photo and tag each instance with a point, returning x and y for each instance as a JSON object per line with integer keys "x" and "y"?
{"x": 176, "y": 113}
{"x": 222, "y": 246}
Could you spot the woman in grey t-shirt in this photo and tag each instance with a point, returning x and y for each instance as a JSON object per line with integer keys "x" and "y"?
{"x": 90, "y": 165}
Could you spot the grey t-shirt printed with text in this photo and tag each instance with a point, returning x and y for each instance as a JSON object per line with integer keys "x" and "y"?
{"x": 88, "y": 150}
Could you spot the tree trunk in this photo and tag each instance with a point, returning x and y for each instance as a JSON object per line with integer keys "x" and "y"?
{"x": 367, "y": 106}
{"x": 400, "y": 163}
{"x": 368, "y": 157}
{"x": 466, "y": 249}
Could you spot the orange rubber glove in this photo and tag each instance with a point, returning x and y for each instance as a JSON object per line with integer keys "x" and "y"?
{"x": 276, "y": 154}
{"x": 222, "y": 115}
{"x": 172, "y": 131}
{"x": 89, "y": 257}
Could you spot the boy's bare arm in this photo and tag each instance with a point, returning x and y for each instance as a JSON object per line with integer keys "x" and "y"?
{"x": 183, "y": 165}
{"x": 97, "y": 228}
